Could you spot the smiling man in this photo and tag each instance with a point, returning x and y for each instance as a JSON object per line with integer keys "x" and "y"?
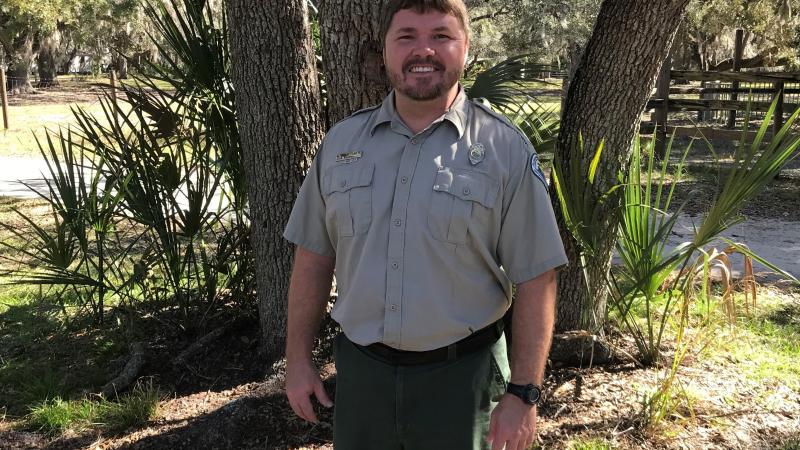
{"x": 429, "y": 208}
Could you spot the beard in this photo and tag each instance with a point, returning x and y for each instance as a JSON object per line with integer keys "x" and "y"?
{"x": 424, "y": 88}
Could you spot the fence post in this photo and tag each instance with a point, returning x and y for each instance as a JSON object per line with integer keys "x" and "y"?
{"x": 777, "y": 120}
{"x": 114, "y": 87}
{"x": 662, "y": 93}
{"x": 3, "y": 96}
{"x": 737, "y": 63}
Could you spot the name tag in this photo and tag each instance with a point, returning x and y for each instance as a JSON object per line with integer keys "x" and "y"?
{"x": 347, "y": 158}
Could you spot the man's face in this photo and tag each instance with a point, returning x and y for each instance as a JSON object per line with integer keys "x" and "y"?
{"x": 424, "y": 53}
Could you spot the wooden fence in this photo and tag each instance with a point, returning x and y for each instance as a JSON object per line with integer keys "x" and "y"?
{"x": 722, "y": 95}
{"x": 722, "y": 99}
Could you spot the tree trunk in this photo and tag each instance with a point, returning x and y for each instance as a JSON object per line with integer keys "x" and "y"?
{"x": 278, "y": 107}
{"x": 48, "y": 60}
{"x": 67, "y": 63}
{"x": 605, "y": 99}
{"x": 352, "y": 55}
{"x": 120, "y": 64}
{"x": 20, "y": 65}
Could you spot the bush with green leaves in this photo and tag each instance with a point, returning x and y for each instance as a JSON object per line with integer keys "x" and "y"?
{"x": 148, "y": 198}
{"x": 651, "y": 273}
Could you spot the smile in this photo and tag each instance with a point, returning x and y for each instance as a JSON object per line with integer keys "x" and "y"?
{"x": 421, "y": 69}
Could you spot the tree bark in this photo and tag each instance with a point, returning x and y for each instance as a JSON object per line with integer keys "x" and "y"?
{"x": 278, "y": 108}
{"x": 352, "y": 56}
{"x": 20, "y": 65}
{"x": 605, "y": 99}
{"x": 48, "y": 60}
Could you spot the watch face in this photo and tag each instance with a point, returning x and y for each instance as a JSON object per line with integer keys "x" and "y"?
{"x": 533, "y": 393}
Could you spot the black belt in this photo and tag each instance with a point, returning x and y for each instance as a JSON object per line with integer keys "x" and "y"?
{"x": 474, "y": 342}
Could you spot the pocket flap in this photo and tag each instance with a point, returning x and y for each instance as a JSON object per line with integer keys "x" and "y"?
{"x": 348, "y": 176}
{"x": 467, "y": 185}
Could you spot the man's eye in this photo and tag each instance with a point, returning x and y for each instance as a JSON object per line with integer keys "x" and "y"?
{"x": 403, "y": 37}
{"x": 442, "y": 36}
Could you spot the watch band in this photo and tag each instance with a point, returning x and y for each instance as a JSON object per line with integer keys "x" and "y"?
{"x": 530, "y": 393}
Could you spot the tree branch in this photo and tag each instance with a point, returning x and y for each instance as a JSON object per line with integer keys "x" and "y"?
{"x": 504, "y": 10}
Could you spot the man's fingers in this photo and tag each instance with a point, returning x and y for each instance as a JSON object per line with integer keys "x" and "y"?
{"x": 301, "y": 405}
{"x": 322, "y": 394}
{"x": 295, "y": 404}
{"x": 499, "y": 440}
{"x": 492, "y": 428}
{"x": 308, "y": 410}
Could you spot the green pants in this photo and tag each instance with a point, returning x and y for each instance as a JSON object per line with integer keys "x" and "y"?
{"x": 445, "y": 405}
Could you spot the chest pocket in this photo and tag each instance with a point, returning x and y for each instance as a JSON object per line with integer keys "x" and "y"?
{"x": 457, "y": 193}
{"x": 348, "y": 194}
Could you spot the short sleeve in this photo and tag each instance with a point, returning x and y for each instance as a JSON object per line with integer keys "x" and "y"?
{"x": 529, "y": 243}
{"x": 306, "y": 227}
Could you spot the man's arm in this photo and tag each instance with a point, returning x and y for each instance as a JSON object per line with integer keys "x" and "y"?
{"x": 309, "y": 292}
{"x": 513, "y": 422}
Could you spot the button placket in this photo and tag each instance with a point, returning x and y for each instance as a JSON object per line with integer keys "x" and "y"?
{"x": 396, "y": 250}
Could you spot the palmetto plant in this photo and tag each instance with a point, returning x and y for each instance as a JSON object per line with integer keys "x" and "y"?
{"x": 148, "y": 197}
{"x": 649, "y": 269}
{"x": 502, "y": 86}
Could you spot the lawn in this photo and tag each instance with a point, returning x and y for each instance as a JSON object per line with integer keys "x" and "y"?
{"x": 31, "y": 115}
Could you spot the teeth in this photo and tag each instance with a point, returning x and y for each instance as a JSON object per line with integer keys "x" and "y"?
{"x": 422, "y": 69}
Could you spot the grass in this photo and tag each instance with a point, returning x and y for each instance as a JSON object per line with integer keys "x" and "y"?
{"x": 766, "y": 345}
{"x": 46, "y": 351}
{"x": 792, "y": 444}
{"x": 590, "y": 444}
{"x": 57, "y": 416}
{"x": 34, "y": 116}
{"x": 32, "y": 121}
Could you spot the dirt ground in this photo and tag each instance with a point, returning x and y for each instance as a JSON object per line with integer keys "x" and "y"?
{"x": 225, "y": 398}
{"x": 70, "y": 90}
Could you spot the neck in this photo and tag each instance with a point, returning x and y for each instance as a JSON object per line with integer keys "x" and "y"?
{"x": 417, "y": 114}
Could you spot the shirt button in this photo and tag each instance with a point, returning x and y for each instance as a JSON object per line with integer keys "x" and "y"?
{"x": 395, "y": 265}
{"x": 404, "y": 180}
{"x": 397, "y": 222}
{"x": 343, "y": 183}
{"x": 413, "y": 141}
{"x": 466, "y": 191}
{"x": 393, "y": 307}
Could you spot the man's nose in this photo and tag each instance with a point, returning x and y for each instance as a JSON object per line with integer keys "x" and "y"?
{"x": 424, "y": 50}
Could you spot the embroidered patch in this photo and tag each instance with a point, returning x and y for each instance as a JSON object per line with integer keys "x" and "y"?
{"x": 538, "y": 170}
{"x": 349, "y": 157}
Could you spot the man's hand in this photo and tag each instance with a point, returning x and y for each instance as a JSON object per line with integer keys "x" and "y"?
{"x": 302, "y": 380}
{"x": 513, "y": 424}
{"x": 309, "y": 291}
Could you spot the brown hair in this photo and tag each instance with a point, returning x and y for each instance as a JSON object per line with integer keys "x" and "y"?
{"x": 453, "y": 7}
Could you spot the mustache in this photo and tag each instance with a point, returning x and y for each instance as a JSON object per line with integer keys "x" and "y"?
{"x": 428, "y": 60}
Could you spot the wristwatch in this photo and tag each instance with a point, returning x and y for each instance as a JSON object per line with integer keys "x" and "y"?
{"x": 529, "y": 393}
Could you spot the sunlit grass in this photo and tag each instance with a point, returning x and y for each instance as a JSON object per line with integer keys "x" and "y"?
{"x": 765, "y": 345}
{"x": 35, "y": 117}
{"x": 590, "y": 444}
{"x": 131, "y": 410}
{"x": 32, "y": 121}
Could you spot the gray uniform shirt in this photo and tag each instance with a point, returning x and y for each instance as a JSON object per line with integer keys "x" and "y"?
{"x": 429, "y": 231}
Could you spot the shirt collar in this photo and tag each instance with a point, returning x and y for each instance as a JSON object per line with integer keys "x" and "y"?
{"x": 456, "y": 114}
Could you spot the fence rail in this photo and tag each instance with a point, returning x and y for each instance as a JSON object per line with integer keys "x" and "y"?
{"x": 723, "y": 98}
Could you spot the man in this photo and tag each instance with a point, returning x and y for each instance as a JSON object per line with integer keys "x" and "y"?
{"x": 428, "y": 207}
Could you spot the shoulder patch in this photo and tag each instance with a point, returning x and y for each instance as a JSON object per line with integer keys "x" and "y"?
{"x": 537, "y": 170}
